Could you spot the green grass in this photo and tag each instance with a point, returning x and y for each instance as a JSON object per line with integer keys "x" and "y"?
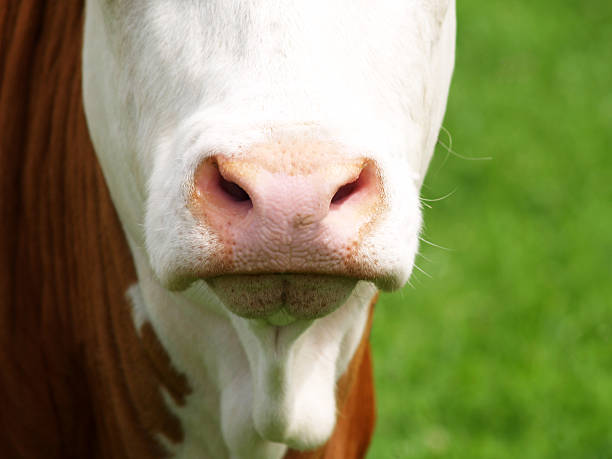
{"x": 506, "y": 351}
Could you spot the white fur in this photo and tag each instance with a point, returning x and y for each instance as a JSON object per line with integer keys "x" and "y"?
{"x": 251, "y": 383}
{"x": 168, "y": 83}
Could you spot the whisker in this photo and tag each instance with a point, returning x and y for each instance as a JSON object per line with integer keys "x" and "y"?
{"x": 450, "y": 137}
{"x": 449, "y": 149}
{"x": 434, "y": 245}
{"x": 440, "y": 198}
{"x": 423, "y": 271}
{"x": 424, "y": 257}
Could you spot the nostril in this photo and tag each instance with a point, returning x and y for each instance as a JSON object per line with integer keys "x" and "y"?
{"x": 344, "y": 192}
{"x": 233, "y": 190}
{"x": 218, "y": 191}
{"x": 230, "y": 189}
{"x": 350, "y": 189}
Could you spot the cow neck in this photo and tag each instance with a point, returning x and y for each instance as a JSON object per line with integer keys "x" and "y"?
{"x": 78, "y": 380}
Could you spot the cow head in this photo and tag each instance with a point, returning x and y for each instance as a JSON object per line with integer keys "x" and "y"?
{"x": 266, "y": 162}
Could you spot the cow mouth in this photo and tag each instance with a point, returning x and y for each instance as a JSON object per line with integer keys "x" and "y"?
{"x": 281, "y": 299}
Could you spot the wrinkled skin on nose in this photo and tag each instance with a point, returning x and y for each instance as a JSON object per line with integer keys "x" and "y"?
{"x": 290, "y": 218}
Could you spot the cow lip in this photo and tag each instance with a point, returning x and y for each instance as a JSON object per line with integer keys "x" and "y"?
{"x": 282, "y": 298}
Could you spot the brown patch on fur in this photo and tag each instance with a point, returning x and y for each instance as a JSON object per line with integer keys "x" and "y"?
{"x": 356, "y": 408}
{"x": 174, "y": 382}
{"x": 76, "y": 380}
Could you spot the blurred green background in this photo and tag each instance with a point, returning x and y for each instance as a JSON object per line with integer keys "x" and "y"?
{"x": 506, "y": 350}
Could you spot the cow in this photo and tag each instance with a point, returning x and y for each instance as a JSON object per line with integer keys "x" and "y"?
{"x": 199, "y": 203}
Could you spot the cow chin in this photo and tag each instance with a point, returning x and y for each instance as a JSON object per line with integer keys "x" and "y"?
{"x": 281, "y": 299}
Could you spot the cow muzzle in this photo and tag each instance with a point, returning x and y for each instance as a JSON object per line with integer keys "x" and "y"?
{"x": 289, "y": 221}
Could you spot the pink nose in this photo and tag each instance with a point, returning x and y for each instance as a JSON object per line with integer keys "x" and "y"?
{"x": 279, "y": 210}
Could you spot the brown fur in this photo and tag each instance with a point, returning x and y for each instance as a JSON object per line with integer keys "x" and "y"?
{"x": 76, "y": 379}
